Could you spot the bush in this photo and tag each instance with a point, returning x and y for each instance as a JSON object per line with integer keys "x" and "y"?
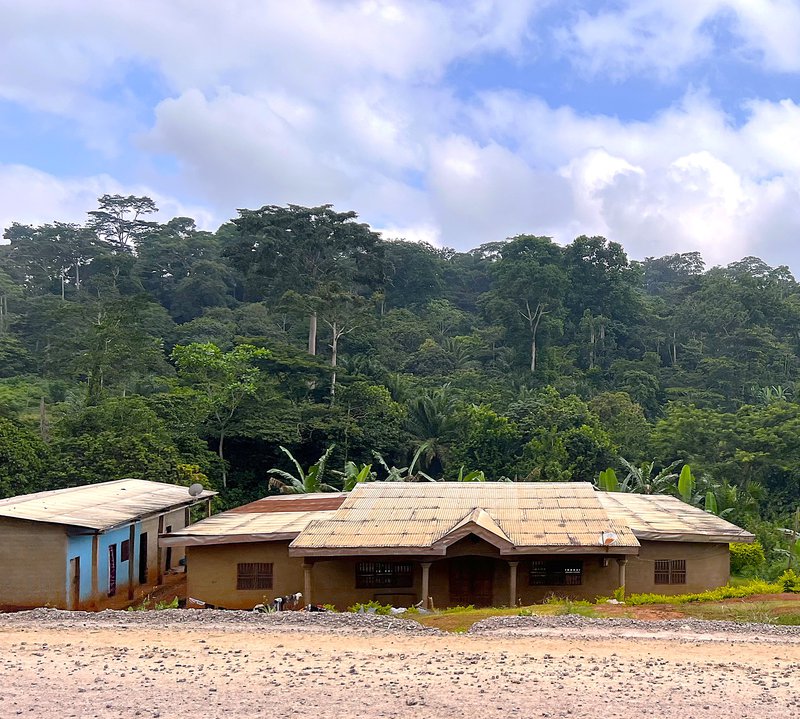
{"x": 790, "y": 581}
{"x": 372, "y": 607}
{"x": 747, "y": 558}
{"x": 748, "y": 589}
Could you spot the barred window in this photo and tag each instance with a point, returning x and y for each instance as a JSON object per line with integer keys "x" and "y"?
{"x": 254, "y": 575}
{"x": 383, "y": 575}
{"x": 670, "y": 571}
{"x": 555, "y": 574}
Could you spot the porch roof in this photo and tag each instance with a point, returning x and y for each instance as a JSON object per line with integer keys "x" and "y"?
{"x": 425, "y": 518}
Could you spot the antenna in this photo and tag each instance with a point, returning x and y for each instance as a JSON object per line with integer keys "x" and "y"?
{"x": 608, "y": 539}
{"x": 196, "y": 489}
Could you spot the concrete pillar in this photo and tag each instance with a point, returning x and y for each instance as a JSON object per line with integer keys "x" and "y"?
{"x": 622, "y": 561}
{"x": 307, "y": 567}
{"x": 131, "y": 554}
{"x": 426, "y": 584}
{"x": 159, "y": 551}
{"x": 95, "y": 570}
{"x": 512, "y": 584}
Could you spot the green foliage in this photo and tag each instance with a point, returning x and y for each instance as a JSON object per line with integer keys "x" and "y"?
{"x": 747, "y": 589}
{"x": 130, "y": 346}
{"x": 789, "y": 581}
{"x": 373, "y": 607}
{"x": 747, "y": 558}
{"x": 22, "y": 460}
{"x": 304, "y": 482}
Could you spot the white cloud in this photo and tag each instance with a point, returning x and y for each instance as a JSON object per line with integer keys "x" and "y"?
{"x": 34, "y": 197}
{"x": 652, "y": 36}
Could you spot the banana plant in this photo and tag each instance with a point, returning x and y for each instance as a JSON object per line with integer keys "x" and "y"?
{"x": 354, "y": 475}
{"x": 305, "y": 482}
{"x": 686, "y": 484}
{"x": 405, "y": 474}
{"x": 476, "y": 475}
{"x": 607, "y": 481}
{"x": 643, "y": 480}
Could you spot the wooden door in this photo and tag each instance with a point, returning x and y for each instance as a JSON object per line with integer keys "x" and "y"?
{"x": 75, "y": 583}
{"x": 112, "y": 570}
{"x": 471, "y": 581}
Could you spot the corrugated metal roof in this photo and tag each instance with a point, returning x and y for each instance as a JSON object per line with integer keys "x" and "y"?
{"x": 294, "y": 503}
{"x": 236, "y": 526}
{"x": 100, "y": 506}
{"x": 417, "y": 516}
{"x": 665, "y": 518}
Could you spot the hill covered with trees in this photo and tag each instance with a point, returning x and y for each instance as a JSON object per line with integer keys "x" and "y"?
{"x": 134, "y": 348}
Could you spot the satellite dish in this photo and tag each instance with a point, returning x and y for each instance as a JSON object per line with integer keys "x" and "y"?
{"x": 608, "y": 539}
{"x": 196, "y": 489}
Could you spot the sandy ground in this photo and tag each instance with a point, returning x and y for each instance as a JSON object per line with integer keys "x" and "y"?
{"x": 91, "y": 668}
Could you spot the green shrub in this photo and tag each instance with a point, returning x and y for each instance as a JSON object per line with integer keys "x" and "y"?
{"x": 619, "y": 594}
{"x": 377, "y": 606}
{"x": 790, "y": 581}
{"x": 746, "y": 558}
{"x": 746, "y": 589}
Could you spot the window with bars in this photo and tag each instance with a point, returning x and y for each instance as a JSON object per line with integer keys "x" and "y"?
{"x": 254, "y": 575}
{"x": 670, "y": 571}
{"x": 555, "y": 574}
{"x": 383, "y": 575}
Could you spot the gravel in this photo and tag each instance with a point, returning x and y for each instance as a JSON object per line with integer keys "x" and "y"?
{"x": 681, "y": 627}
{"x": 202, "y": 619}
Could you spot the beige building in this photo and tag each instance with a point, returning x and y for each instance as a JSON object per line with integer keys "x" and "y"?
{"x": 450, "y": 543}
{"x": 89, "y": 547}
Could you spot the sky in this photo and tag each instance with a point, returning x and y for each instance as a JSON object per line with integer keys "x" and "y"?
{"x": 665, "y": 126}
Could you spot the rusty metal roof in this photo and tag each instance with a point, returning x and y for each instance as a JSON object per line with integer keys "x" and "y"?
{"x": 294, "y": 503}
{"x": 235, "y": 526}
{"x": 661, "y": 517}
{"x": 427, "y": 517}
{"x": 100, "y": 506}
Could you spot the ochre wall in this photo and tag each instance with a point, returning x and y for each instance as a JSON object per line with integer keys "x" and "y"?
{"x": 707, "y": 567}
{"x": 211, "y": 573}
{"x": 33, "y": 564}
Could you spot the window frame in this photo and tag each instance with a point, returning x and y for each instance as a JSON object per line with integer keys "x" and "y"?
{"x": 669, "y": 571}
{"x": 252, "y": 576}
{"x": 555, "y": 573}
{"x": 384, "y": 575}
{"x": 125, "y": 550}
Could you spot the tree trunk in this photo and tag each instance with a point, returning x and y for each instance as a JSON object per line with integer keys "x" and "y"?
{"x": 221, "y": 454}
{"x": 334, "y": 357}
{"x": 533, "y": 353}
{"x": 312, "y": 334}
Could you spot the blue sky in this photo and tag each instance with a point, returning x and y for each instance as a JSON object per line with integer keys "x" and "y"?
{"x": 665, "y": 126}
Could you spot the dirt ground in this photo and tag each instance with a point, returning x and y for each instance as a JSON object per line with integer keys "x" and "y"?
{"x": 89, "y": 668}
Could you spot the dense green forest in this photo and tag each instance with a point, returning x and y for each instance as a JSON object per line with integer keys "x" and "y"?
{"x": 133, "y": 348}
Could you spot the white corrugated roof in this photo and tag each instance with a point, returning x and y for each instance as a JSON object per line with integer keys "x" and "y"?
{"x": 235, "y": 527}
{"x": 665, "y": 518}
{"x": 425, "y": 517}
{"x": 100, "y": 506}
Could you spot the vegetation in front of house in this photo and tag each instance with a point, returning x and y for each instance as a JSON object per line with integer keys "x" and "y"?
{"x": 787, "y": 582}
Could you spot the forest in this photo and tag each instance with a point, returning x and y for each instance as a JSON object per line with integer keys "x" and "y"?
{"x": 295, "y": 349}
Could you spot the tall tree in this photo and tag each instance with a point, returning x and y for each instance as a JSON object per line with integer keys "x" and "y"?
{"x": 225, "y": 379}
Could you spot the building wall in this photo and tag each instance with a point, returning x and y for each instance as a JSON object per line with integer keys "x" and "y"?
{"x": 707, "y": 567}
{"x": 32, "y": 564}
{"x": 211, "y": 573}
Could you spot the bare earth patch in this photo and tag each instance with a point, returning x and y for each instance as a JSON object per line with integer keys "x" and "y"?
{"x": 211, "y": 664}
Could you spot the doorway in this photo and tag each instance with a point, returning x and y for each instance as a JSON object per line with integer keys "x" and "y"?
{"x": 143, "y": 558}
{"x": 471, "y": 581}
{"x": 75, "y": 583}
{"x": 112, "y": 570}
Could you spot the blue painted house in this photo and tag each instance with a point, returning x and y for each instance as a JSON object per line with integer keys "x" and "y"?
{"x": 89, "y": 547}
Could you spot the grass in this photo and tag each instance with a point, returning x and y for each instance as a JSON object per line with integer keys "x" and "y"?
{"x": 726, "y": 603}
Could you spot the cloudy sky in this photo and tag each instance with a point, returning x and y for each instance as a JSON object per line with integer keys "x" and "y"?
{"x": 667, "y": 126}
